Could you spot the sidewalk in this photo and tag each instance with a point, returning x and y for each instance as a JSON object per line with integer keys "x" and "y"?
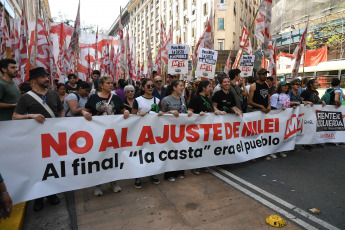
{"x": 196, "y": 202}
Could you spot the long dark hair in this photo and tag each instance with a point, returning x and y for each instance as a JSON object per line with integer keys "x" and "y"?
{"x": 143, "y": 83}
{"x": 202, "y": 84}
{"x": 170, "y": 89}
{"x": 310, "y": 83}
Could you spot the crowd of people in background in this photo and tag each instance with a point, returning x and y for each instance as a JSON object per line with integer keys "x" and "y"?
{"x": 100, "y": 96}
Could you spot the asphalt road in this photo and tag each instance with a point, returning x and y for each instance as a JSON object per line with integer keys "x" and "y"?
{"x": 293, "y": 185}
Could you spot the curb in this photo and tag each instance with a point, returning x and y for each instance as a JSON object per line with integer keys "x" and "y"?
{"x": 16, "y": 219}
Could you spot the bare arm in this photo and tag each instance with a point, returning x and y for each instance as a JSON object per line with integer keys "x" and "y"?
{"x": 73, "y": 106}
{"x": 337, "y": 100}
{"x": 245, "y": 91}
{"x": 7, "y": 106}
{"x": 38, "y": 117}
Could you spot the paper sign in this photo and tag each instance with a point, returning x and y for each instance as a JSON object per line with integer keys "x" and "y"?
{"x": 178, "y": 59}
{"x": 247, "y": 65}
{"x": 207, "y": 60}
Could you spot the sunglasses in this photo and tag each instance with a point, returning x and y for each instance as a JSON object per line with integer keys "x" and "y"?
{"x": 159, "y": 81}
{"x": 72, "y": 77}
{"x": 150, "y": 86}
{"x": 130, "y": 91}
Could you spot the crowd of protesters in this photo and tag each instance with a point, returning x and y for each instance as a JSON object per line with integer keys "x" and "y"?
{"x": 228, "y": 93}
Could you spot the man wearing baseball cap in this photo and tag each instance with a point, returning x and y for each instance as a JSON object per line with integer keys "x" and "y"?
{"x": 258, "y": 93}
{"x": 39, "y": 104}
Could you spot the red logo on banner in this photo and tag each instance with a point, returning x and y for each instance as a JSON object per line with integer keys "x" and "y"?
{"x": 293, "y": 125}
{"x": 177, "y": 63}
{"x": 206, "y": 67}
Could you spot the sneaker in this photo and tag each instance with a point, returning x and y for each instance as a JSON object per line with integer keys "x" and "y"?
{"x": 180, "y": 176}
{"x": 53, "y": 199}
{"x": 38, "y": 205}
{"x": 137, "y": 183}
{"x": 273, "y": 156}
{"x": 114, "y": 186}
{"x": 155, "y": 180}
{"x": 205, "y": 170}
{"x": 195, "y": 171}
{"x": 267, "y": 158}
{"x": 172, "y": 179}
{"x": 98, "y": 191}
{"x": 282, "y": 155}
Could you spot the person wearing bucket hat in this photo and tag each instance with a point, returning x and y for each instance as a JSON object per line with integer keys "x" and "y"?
{"x": 258, "y": 93}
{"x": 39, "y": 103}
{"x": 280, "y": 99}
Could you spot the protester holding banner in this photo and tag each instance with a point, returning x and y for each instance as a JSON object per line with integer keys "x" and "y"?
{"x": 295, "y": 97}
{"x": 174, "y": 103}
{"x": 39, "y": 104}
{"x": 120, "y": 92}
{"x": 142, "y": 105}
{"x": 104, "y": 103}
{"x": 223, "y": 101}
{"x": 5, "y": 200}
{"x": 201, "y": 103}
{"x": 271, "y": 86}
{"x": 280, "y": 99}
{"x": 75, "y": 101}
{"x": 129, "y": 92}
{"x": 258, "y": 93}
{"x": 239, "y": 91}
{"x": 311, "y": 94}
{"x": 335, "y": 93}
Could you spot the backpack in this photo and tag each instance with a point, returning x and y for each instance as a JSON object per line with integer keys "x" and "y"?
{"x": 327, "y": 97}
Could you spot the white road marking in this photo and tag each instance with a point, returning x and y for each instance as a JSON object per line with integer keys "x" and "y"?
{"x": 273, "y": 197}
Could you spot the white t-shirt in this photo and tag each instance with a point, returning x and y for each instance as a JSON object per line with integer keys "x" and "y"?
{"x": 279, "y": 101}
{"x": 144, "y": 104}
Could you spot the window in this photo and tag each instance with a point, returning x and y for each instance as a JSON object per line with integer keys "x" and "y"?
{"x": 221, "y": 44}
{"x": 193, "y": 12}
{"x": 221, "y": 23}
{"x": 234, "y": 7}
{"x": 184, "y": 4}
{"x": 193, "y": 32}
{"x": 205, "y": 8}
{"x": 222, "y": 1}
{"x": 184, "y": 36}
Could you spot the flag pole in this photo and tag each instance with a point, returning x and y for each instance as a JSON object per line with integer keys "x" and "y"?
{"x": 249, "y": 33}
{"x": 305, "y": 50}
{"x": 35, "y": 49}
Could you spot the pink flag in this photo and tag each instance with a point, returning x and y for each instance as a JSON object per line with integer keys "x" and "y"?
{"x": 298, "y": 53}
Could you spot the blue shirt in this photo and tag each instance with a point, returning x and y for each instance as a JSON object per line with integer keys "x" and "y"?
{"x": 157, "y": 95}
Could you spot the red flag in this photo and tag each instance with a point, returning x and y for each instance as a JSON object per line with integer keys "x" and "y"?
{"x": 89, "y": 70}
{"x": 298, "y": 53}
{"x": 248, "y": 46}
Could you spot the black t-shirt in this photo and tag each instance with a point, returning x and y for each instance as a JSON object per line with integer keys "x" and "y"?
{"x": 271, "y": 90}
{"x": 98, "y": 105}
{"x": 311, "y": 95}
{"x": 127, "y": 106}
{"x": 224, "y": 100}
{"x": 261, "y": 95}
{"x": 70, "y": 89}
{"x": 28, "y": 105}
{"x": 200, "y": 104}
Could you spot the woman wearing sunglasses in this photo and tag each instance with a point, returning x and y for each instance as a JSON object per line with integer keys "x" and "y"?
{"x": 142, "y": 105}
{"x": 174, "y": 103}
{"x": 295, "y": 97}
{"x": 104, "y": 103}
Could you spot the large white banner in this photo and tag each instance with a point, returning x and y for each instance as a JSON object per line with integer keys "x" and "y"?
{"x": 71, "y": 153}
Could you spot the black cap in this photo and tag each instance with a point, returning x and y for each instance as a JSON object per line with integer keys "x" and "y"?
{"x": 262, "y": 71}
{"x": 39, "y": 71}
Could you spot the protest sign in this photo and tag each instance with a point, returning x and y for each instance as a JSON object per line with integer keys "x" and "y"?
{"x": 178, "y": 59}
{"x": 67, "y": 154}
{"x": 206, "y": 66}
{"x": 247, "y": 65}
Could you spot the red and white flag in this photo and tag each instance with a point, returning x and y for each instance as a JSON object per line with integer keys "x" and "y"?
{"x": 149, "y": 58}
{"x": 263, "y": 23}
{"x": 272, "y": 66}
{"x": 89, "y": 69}
{"x": 300, "y": 49}
{"x": 123, "y": 58}
{"x": 227, "y": 67}
{"x": 138, "y": 70}
{"x": 96, "y": 51}
{"x": 1, "y": 19}
{"x": 23, "y": 51}
{"x": 5, "y": 40}
{"x": 73, "y": 48}
{"x": 133, "y": 70}
{"x": 248, "y": 46}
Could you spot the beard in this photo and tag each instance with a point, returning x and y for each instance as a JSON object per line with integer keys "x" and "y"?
{"x": 43, "y": 85}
